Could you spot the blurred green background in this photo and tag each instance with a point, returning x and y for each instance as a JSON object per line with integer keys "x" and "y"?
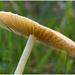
{"x": 59, "y": 16}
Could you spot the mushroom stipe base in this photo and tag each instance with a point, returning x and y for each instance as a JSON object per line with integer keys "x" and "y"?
{"x": 25, "y": 54}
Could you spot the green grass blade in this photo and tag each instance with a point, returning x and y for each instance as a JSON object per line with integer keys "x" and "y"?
{"x": 43, "y": 61}
{"x": 68, "y": 66}
{"x": 68, "y": 6}
{"x": 2, "y": 7}
{"x": 36, "y": 54}
{"x": 19, "y": 5}
{"x": 56, "y": 64}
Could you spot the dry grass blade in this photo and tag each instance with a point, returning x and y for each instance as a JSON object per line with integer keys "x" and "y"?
{"x": 1, "y": 26}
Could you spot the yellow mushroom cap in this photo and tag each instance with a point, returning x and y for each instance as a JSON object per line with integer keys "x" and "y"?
{"x": 45, "y": 35}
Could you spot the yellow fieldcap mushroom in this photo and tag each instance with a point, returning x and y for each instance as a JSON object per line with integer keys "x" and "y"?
{"x": 33, "y": 29}
{"x": 45, "y": 35}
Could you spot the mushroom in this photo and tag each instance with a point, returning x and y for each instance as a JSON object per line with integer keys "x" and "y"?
{"x": 35, "y": 31}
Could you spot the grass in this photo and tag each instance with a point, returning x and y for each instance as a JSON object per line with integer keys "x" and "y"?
{"x": 42, "y": 59}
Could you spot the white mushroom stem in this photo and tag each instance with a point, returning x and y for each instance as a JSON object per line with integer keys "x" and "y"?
{"x": 25, "y": 54}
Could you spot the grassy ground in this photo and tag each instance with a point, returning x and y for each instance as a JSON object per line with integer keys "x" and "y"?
{"x": 59, "y": 16}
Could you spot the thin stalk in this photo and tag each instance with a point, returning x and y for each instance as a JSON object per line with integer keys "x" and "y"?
{"x": 4, "y": 27}
{"x": 25, "y": 55}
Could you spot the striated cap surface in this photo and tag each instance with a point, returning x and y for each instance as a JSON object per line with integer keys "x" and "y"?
{"x": 45, "y": 35}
